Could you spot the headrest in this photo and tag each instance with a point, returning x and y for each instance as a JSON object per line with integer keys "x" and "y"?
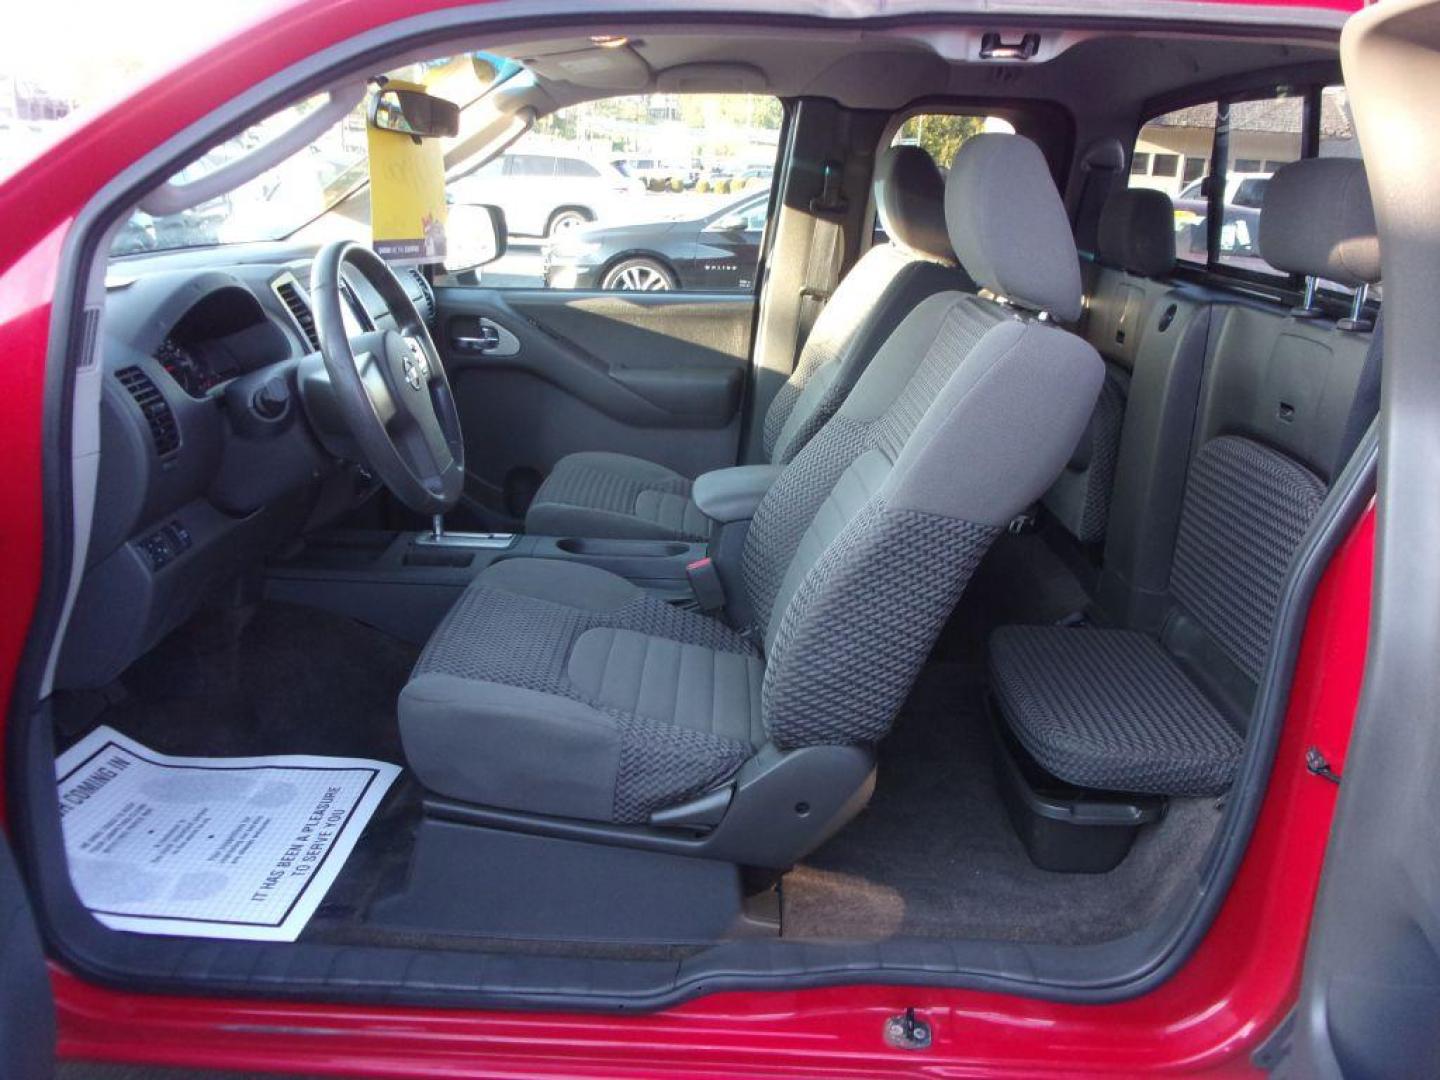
{"x": 910, "y": 201}
{"x": 1008, "y": 227}
{"x": 1317, "y": 220}
{"x": 1137, "y": 232}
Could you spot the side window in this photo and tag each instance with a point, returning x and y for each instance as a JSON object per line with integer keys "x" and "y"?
{"x": 1264, "y": 135}
{"x": 1172, "y": 154}
{"x": 616, "y": 193}
{"x": 941, "y": 134}
{"x": 1337, "y": 139}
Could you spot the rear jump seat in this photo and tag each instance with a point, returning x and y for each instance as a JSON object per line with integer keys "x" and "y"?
{"x": 1161, "y": 706}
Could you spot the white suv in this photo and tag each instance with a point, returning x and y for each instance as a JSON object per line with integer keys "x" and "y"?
{"x": 546, "y": 194}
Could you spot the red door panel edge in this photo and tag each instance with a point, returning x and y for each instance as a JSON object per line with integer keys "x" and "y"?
{"x": 1238, "y": 985}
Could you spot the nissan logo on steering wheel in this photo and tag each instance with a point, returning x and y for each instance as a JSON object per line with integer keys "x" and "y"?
{"x": 415, "y": 366}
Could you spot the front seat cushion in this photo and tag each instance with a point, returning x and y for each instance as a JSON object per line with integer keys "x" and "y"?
{"x": 558, "y": 688}
{"x": 615, "y": 495}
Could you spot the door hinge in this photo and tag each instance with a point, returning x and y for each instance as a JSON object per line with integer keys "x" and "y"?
{"x": 1318, "y": 764}
{"x": 908, "y": 1031}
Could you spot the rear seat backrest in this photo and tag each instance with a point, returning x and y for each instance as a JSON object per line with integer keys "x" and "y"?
{"x": 1115, "y": 709}
{"x": 1135, "y": 250}
{"x": 1277, "y": 394}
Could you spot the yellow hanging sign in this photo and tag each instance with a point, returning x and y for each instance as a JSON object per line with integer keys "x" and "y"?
{"x": 407, "y": 194}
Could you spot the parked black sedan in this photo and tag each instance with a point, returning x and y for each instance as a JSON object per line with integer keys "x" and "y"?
{"x": 718, "y": 251}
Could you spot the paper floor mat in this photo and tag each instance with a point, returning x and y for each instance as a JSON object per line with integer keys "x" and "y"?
{"x": 210, "y": 847}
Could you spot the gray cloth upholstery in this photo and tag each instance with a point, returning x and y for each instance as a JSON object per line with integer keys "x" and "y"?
{"x": 564, "y": 689}
{"x": 614, "y": 495}
{"x": 1136, "y": 232}
{"x": 910, "y": 202}
{"x": 726, "y": 495}
{"x": 1246, "y": 509}
{"x": 599, "y": 494}
{"x": 1317, "y": 220}
{"x": 1110, "y": 709}
{"x": 1080, "y": 497}
{"x": 858, "y": 552}
{"x": 1008, "y": 226}
{"x": 560, "y": 689}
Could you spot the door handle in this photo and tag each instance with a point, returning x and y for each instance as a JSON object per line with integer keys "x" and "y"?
{"x": 490, "y": 339}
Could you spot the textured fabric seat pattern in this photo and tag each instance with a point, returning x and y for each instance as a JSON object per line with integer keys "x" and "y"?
{"x": 681, "y": 691}
{"x": 1080, "y": 498}
{"x": 615, "y": 495}
{"x": 1110, "y": 710}
{"x": 1246, "y": 509}
{"x": 850, "y": 586}
{"x": 558, "y": 688}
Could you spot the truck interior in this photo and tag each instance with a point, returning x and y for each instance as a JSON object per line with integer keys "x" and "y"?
{"x": 921, "y": 611}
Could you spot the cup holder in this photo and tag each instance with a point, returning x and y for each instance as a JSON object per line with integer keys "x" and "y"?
{"x": 622, "y": 549}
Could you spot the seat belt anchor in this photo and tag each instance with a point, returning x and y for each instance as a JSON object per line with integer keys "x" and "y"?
{"x": 705, "y": 583}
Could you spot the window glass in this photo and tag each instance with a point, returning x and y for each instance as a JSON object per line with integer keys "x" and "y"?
{"x": 1183, "y": 140}
{"x": 621, "y": 193}
{"x": 941, "y": 134}
{"x": 1264, "y": 135}
{"x": 1337, "y": 139}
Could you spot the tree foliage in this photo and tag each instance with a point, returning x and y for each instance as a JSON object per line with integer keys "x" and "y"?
{"x": 940, "y": 134}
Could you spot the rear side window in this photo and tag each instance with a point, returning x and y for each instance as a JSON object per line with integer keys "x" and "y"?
{"x": 1264, "y": 134}
{"x": 1228, "y": 150}
{"x": 1173, "y": 154}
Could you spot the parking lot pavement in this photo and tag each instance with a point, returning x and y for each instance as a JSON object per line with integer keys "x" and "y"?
{"x": 521, "y": 267}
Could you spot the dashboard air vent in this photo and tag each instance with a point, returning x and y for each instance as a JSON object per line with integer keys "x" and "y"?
{"x": 163, "y": 429}
{"x": 290, "y": 295}
{"x": 427, "y": 295}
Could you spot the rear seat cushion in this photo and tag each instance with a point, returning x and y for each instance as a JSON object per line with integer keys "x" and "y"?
{"x": 1110, "y": 709}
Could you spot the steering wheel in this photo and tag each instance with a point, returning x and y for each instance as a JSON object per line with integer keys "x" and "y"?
{"x": 389, "y": 385}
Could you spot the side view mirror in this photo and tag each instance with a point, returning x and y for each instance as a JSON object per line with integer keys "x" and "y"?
{"x": 730, "y": 223}
{"x": 475, "y": 236}
{"x": 413, "y": 113}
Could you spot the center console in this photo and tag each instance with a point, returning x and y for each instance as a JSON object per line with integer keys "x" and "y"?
{"x": 405, "y": 582}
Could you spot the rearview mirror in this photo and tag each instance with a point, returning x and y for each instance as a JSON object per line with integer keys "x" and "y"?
{"x": 410, "y": 112}
{"x": 475, "y": 236}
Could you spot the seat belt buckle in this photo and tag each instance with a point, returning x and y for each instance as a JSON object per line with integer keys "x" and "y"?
{"x": 705, "y": 584}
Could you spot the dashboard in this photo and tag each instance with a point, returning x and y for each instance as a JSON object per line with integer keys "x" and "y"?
{"x": 209, "y": 460}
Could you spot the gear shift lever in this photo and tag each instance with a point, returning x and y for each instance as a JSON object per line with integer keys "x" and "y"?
{"x": 438, "y": 537}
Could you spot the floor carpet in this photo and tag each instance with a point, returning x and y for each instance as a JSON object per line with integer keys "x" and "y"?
{"x": 934, "y": 854}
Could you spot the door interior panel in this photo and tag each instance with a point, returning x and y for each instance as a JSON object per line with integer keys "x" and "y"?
{"x": 539, "y": 374}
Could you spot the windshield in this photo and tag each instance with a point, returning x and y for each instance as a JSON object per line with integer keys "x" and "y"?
{"x": 308, "y": 184}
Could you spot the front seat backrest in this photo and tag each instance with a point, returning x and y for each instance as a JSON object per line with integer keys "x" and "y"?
{"x": 967, "y": 413}
{"x": 880, "y": 289}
